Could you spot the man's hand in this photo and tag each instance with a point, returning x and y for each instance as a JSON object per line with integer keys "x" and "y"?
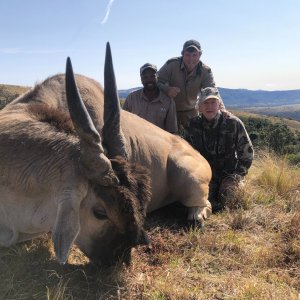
{"x": 173, "y": 91}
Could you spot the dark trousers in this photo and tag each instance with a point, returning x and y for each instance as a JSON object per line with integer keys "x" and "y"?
{"x": 220, "y": 189}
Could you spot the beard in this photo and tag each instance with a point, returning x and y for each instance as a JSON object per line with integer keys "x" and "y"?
{"x": 150, "y": 86}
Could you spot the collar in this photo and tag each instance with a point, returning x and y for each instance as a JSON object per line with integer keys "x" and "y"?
{"x": 214, "y": 122}
{"x": 198, "y": 67}
{"x": 159, "y": 98}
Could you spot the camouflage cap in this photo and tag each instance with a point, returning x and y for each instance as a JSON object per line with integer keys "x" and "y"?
{"x": 147, "y": 66}
{"x": 192, "y": 44}
{"x": 207, "y": 93}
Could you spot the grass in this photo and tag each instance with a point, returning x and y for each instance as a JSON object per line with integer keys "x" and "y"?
{"x": 292, "y": 123}
{"x": 249, "y": 251}
{"x": 10, "y": 92}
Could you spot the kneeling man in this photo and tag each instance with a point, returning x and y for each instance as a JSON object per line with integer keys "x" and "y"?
{"x": 225, "y": 144}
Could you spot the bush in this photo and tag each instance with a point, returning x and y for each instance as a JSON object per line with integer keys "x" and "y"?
{"x": 275, "y": 137}
{"x": 294, "y": 158}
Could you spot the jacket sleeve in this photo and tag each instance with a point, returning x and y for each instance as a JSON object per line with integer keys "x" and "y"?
{"x": 244, "y": 151}
{"x": 126, "y": 105}
{"x": 171, "y": 118}
{"x": 163, "y": 77}
{"x": 188, "y": 135}
{"x": 208, "y": 78}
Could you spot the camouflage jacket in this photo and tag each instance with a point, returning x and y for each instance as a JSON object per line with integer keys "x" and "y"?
{"x": 225, "y": 144}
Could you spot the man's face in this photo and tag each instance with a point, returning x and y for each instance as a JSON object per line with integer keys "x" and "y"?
{"x": 210, "y": 108}
{"x": 149, "y": 79}
{"x": 191, "y": 59}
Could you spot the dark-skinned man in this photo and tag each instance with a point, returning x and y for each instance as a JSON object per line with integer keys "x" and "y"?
{"x": 150, "y": 103}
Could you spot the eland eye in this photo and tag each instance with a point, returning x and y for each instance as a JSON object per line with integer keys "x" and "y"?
{"x": 100, "y": 214}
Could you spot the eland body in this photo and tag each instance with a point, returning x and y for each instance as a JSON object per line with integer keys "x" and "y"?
{"x": 73, "y": 163}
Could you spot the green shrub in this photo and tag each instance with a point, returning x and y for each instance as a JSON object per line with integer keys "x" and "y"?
{"x": 275, "y": 137}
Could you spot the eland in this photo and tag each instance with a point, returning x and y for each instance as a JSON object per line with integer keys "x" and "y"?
{"x": 74, "y": 164}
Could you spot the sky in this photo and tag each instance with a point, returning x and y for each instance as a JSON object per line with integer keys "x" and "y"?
{"x": 248, "y": 44}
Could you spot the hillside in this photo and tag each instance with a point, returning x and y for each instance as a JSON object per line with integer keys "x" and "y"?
{"x": 273, "y": 134}
{"x": 10, "y": 92}
{"x": 245, "y": 98}
{"x": 294, "y": 125}
{"x": 284, "y": 101}
{"x": 248, "y": 98}
{"x": 258, "y": 102}
{"x": 285, "y": 104}
{"x": 283, "y": 111}
{"x": 125, "y": 93}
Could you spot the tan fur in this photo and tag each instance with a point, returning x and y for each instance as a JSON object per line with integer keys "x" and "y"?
{"x": 41, "y": 180}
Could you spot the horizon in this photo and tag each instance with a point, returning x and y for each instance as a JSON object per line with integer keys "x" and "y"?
{"x": 222, "y": 87}
{"x": 250, "y": 46}
{"x": 139, "y": 87}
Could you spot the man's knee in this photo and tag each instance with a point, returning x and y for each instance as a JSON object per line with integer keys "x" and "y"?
{"x": 230, "y": 183}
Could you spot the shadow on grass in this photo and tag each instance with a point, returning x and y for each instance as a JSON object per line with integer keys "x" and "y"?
{"x": 172, "y": 217}
{"x": 30, "y": 271}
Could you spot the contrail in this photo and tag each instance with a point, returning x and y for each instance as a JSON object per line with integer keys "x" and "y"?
{"x": 107, "y": 11}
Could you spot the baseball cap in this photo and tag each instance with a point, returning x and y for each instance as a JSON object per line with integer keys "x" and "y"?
{"x": 147, "y": 66}
{"x": 207, "y": 93}
{"x": 192, "y": 44}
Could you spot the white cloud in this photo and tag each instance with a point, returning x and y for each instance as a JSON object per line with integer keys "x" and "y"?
{"x": 107, "y": 11}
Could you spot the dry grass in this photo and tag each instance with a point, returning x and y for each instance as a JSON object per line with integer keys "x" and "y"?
{"x": 249, "y": 251}
{"x": 294, "y": 125}
{"x": 10, "y": 92}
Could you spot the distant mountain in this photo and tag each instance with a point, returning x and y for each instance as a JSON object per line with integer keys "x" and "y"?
{"x": 125, "y": 93}
{"x": 284, "y": 104}
{"x": 282, "y": 111}
{"x": 275, "y": 103}
{"x": 246, "y": 98}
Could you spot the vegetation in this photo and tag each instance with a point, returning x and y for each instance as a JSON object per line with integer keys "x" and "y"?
{"x": 275, "y": 136}
{"x": 10, "y": 92}
{"x": 122, "y": 101}
{"x": 249, "y": 251}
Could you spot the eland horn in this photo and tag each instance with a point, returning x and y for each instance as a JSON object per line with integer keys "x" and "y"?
{"x": 113, "y": 137}
{"x": 96, "y": 165}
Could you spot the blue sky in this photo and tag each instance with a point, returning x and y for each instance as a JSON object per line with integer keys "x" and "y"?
{"x": 248, "y": 44}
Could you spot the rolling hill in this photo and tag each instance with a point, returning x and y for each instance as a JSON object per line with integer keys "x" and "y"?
{"x": 283, "y": 111}
{"x": 284, "y": 104}
{"x": 10, "y": 92}
{"x": 248, "y": 98}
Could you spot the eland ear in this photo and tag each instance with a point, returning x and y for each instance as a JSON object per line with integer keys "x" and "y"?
{"x": 65, "y": 231}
